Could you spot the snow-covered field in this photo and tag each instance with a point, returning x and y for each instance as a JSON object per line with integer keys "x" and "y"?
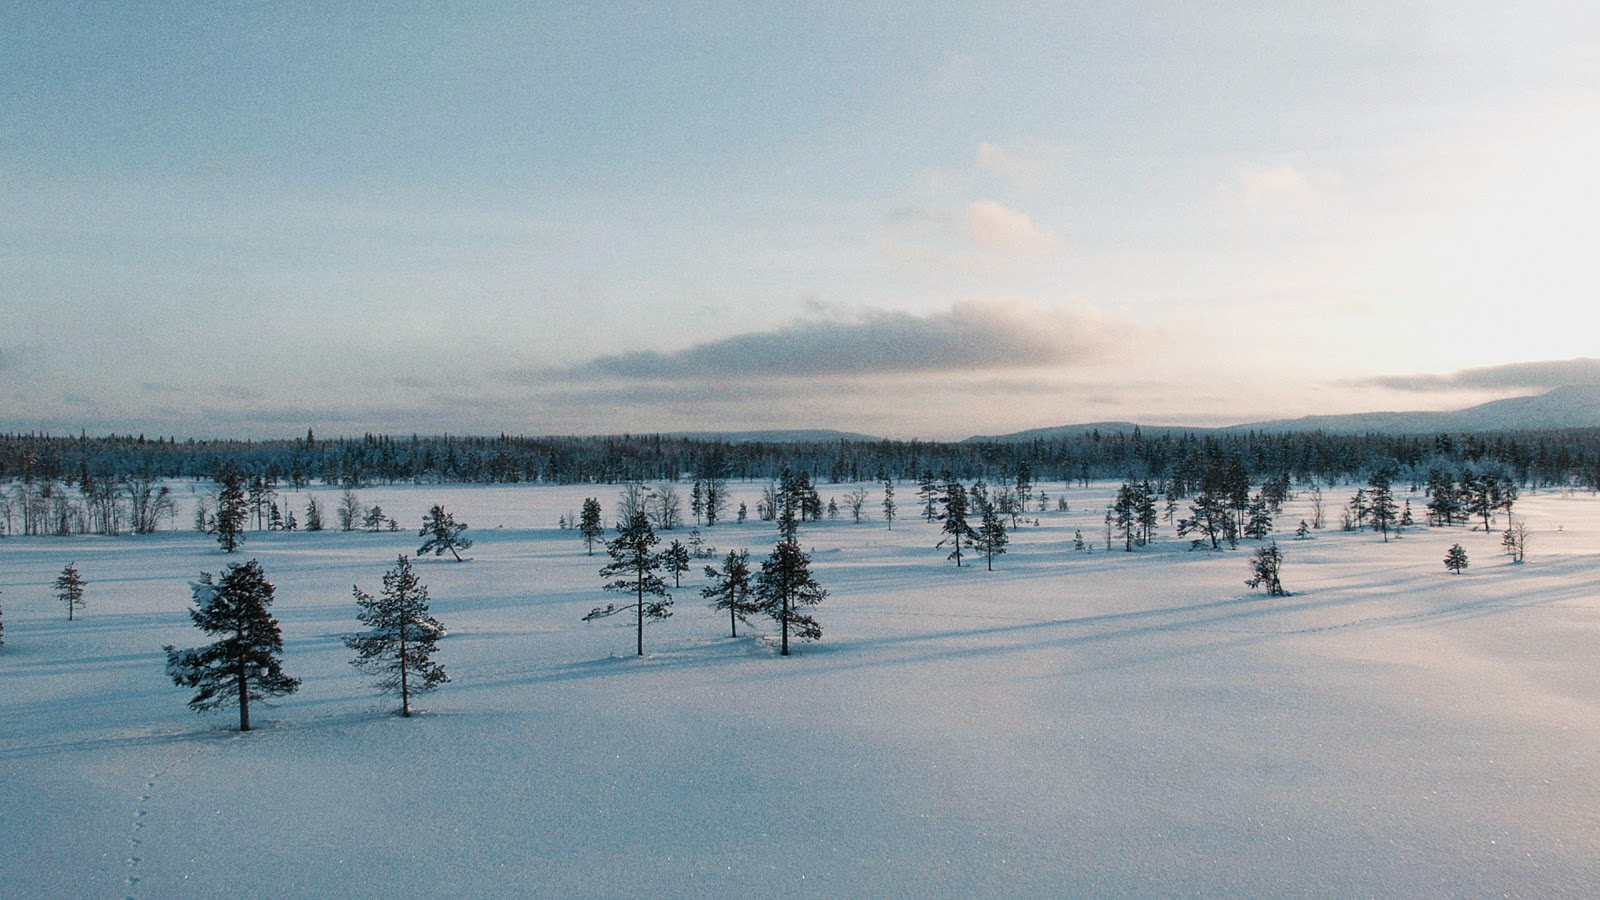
{"x": 1070, "y": 724}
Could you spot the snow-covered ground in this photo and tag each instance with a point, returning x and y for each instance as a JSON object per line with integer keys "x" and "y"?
{"x": 1069, "y": 724}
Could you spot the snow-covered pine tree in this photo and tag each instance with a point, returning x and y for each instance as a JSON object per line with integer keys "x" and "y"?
{"x": 676, "y": 557}
{"x": 633, "y": 566}
{"x": 730, "y": 589}
{"x": 401, "y": 636}
{"x": 1258, "y": 523}
{"x": 589, "y": 524}
{"x": 244, "y": 665}
{"x": 956, "y": 529}
{"x": 1382, "y": 511}
{"x": 313, "y": 515}
{"x": 889, "y": 507}
{"x": 991, "y": 536}
{"x": 443, "y": 533}
{"x": 1456, "y": 559}
{"x": 232, "y": 510}
{"x": 69, "y": 589}
{"x": 784, "y": 586}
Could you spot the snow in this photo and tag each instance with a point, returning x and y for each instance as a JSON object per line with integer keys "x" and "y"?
{"x": 1070, "y": 724}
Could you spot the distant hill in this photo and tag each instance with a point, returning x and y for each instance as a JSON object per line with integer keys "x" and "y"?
{"x": 1573, "y": 406}
{"x": 777, "y": 436}
{"x": 1074, "y": 431}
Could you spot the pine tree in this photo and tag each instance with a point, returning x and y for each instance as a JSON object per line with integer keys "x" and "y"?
{"x": 1266, "y": 566}
{"x": 232, "y": 510}
{"x": 401, "y": 638}
{"x": 928, "y": 490}
{"x": 1515, "y": 539}
{"x": 313, "y": 515}
{"x": 1444, "y": 499}
{"x": 244, "y": 665}
{"x": 1122, "y": 512}
{"x": 676, "y": 557}
{"x": 730, "y": 589}
{"x": 956, "y": 529}
{"x": 1381, "y": 509}
{"x": 374, "y": 520}
{"x": 443, "y": 533}
{"x": 69, "y": 589}
{"x": 634, "y": 566}
{"x": 991, "y": 540}
{"x": 589, "y": 524}
{"x": 1456, "y": 559}
{"x": 784, "y": 586}
{"x": 889, "y": 507}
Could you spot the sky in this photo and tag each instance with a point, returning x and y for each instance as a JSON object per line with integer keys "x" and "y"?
{"x": 906, "y": 220}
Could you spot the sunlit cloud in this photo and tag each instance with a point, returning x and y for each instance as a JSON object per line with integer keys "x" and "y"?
{"x": 1001, "y": 228}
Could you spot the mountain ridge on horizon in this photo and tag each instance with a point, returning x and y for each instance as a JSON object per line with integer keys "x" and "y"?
{"x": 1568, "y": 406}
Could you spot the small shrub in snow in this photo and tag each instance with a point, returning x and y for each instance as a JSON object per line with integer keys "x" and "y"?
{"x": 1266, "y": 566}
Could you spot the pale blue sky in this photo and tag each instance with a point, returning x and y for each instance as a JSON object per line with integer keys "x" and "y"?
{"x": 257, "y": 218}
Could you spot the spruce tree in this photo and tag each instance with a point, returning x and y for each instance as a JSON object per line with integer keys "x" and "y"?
{"x": 992, "y": 539}
{"x": 232, "y": 510}
{"x": 1382, "y": 511}
{"x": 956, "y": 529}
{"x": 784, "y": 586}
{"x": 401, "y": 638}
{"x": 313, "y": 515}
{"x": 243, "y": 665}
{"x": 730, "y": 589}
{"x": 676, "y": 557}
{"x": 443, "y": 533}
{"x": 69, "y": 589}
{"x": 589, "y": 524}
{"x": 633, "y": 567}
{"x": 889, "y": 508}
{"x": 1456, "y": 559}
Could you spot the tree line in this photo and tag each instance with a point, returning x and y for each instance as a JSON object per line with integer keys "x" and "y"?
{"x": 111, "y": 465}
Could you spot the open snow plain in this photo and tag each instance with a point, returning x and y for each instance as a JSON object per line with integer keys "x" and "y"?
{"x": 1070, "y": 724}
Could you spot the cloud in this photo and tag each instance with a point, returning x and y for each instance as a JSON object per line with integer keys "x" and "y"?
{"x": 1545, "y": 375}
{"x": 1284, "y": 191}
{"x": 974, "y": 335}
{"x": 1006, "y": 230}
{"x": 985, "y": 236}
{"x": 1025, "y": 168}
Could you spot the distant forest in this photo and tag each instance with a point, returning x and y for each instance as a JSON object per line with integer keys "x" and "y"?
{"x": 1532, "y": 458}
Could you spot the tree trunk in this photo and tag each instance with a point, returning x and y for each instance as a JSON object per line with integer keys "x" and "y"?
{"x": 405, "y": 687}
{"x": 640, "y": 610}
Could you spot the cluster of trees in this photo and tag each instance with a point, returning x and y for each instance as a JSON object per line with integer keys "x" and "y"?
{"x": 784, "y": 589}
{"x": 108, "y": 506}
{"x": 244, "y": 665}
{"x": 1542, "y": 458}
